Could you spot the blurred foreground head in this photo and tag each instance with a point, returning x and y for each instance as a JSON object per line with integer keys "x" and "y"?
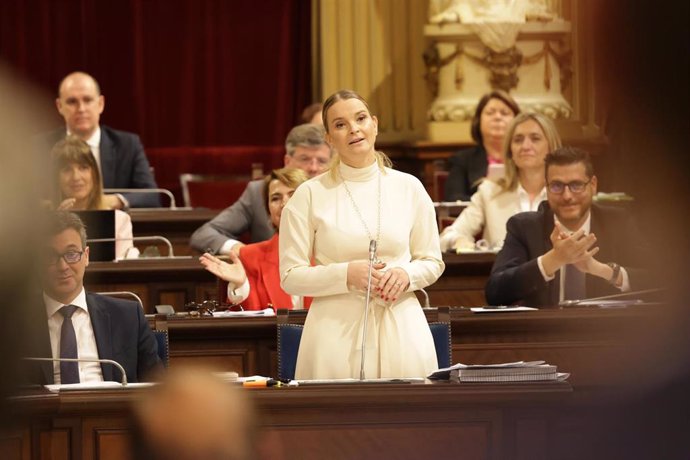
{"x": 22, "y": 115}
{"x": 193, "y": 415}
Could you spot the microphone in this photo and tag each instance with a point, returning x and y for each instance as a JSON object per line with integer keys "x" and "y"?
{"x": 572, "y": 303}
{"x": 85, "y": 360}
{"x": 372, "y": 255}
{"x": 137, "y": 238}
{"x": 372, "y": 250}
{"x": 163, "y": 191}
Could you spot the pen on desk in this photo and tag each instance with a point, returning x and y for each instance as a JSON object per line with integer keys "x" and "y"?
{"x": 262, "y": 383}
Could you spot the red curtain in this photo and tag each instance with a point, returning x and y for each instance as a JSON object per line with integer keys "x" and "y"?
{"x": 178, "y": 72}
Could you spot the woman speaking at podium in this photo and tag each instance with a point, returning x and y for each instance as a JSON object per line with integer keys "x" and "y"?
{"x": 331, "y": 221}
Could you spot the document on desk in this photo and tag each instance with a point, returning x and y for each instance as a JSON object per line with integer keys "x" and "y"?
{"x": 500, "y": 308}
{"x": 244, "y": 314}
{"x": 95, "y": 386}
{"x": 444, "y": 374}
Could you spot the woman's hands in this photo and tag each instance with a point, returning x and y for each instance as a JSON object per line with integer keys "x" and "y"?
{"x": 67, "y": 203}
{"x": 233, "y": 273}
{"x": 387, "y": 285}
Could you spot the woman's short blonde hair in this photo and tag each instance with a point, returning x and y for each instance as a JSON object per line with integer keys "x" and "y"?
{"x": 73, "y": 150}
{"x": 344, "y": 94}
{"x": 291, "y": 177}
{"x": 509, "y": 182}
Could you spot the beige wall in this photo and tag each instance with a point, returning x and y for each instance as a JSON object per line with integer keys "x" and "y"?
{"x": 375, "y": 47}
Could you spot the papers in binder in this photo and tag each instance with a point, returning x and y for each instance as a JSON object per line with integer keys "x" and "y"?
{"x": 521, "y": 371}
{"x": 244, "y": 314}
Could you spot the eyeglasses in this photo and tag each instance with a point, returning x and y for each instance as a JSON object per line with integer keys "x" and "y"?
{"x": 576, "y": 186}
{"x": 71, "y": 257}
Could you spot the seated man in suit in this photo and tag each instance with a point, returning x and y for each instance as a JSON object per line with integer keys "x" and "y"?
{"x": 119, "y": 154}
{"x": 85, "y": 325}
{"x": 549, "y": 255}
{"x": 307, "y": 150}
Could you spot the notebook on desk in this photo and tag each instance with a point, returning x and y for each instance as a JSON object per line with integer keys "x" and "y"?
{"x": 99, "y": 224}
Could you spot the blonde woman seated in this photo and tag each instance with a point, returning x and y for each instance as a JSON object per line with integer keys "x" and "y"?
{"x": 253, "y": 277}
{"x": 530, "y": 137}
{"x": 79, "y": 188}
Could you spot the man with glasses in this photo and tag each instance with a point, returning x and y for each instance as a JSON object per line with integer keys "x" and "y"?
{"x": 306, "y": 149}
{"x": 84, "y": 325}
{"x": 569, "y": 249}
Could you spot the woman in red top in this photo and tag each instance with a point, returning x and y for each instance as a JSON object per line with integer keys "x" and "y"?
{"x": 253, "y": 278}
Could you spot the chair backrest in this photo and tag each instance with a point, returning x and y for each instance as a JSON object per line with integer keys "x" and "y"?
{"x": 289, "y": 336}
{"x": 163, "y": 346}
{"x": 211, "y": 190}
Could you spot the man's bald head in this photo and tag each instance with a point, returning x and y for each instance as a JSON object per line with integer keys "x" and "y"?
{"x": 80, "y": 103}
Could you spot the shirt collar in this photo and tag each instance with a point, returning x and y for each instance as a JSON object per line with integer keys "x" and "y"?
{"x": 95, "y": 140}
{"x": 586, "y": 226}
{"x": 52, "y": 305}
{"x": 522, "y": 193}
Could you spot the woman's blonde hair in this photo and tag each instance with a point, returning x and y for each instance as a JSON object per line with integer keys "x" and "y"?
{"x": 344, "y": 94}
{"x": 510, "y": 180}
{"x": 73, "y": 150}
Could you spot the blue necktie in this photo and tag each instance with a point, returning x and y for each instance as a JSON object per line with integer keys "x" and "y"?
{"x": 574, "y": 288}
{"x": 69, "y": 371}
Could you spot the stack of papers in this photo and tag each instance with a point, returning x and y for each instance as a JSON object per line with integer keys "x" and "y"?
{"x": 521, "y": 371}
{"x": 246, "y": 313}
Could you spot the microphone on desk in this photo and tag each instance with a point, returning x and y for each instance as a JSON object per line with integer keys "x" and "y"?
{"x": 136, "y": 238}
{"x": 372, "y": 256}
{"x": 85, "y": 360}
{"x": 162, "y": 191}
{"x": 572, "y": 303}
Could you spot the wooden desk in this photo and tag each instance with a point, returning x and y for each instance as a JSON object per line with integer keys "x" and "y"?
{"x": 180, "y": 280}
{"x": 401, "y": 421}
{"x": 176, "y": 225}
{"x": 158, "y": 281}
{"x": 590, "y": 343}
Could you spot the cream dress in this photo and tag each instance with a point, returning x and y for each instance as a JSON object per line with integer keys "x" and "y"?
{"x": 320, "y": 223}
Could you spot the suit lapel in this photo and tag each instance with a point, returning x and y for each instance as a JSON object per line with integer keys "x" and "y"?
{"x": 43, "y": 347}
{"x": 100, "y": 321}
{"x": 107, "y": 156}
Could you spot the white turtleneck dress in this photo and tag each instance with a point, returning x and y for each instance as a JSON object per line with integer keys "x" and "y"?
{"x": 321, "y": 233}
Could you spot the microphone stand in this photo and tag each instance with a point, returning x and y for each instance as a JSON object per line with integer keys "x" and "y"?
{"x": 86, "y": 360}
{"x": 372, "y": 254}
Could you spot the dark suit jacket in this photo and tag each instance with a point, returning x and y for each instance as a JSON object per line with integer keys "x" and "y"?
{"x": 466, "y": 168}
{"x": 122, "y": 334}
{"x": 515, "y": 276}
{"x": 248, "y": 213}
{"x": 260, "y": 261}
{"x": 123, "y": 164}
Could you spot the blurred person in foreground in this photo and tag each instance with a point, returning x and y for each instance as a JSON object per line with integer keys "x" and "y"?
{"x": 253, "y": 277}
{"x": 193, "y": 415}
{"x": 306, "y": 149}
{"x": 530, "y": 137}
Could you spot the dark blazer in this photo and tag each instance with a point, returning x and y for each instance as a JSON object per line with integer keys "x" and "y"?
{"x": 123, "y": 164}
{"x": 122, "y": 334}
{"x": 260, "y": 261}
{"x": 248, "y": 213}
{"x": 466, "y": 168}
{"x": 515, "y": 276}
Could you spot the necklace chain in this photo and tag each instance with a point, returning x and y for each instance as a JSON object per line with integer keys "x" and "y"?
{"x": 359, "y": 213}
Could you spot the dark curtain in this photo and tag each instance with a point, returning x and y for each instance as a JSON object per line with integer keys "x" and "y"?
{"x": 178, "y": 72}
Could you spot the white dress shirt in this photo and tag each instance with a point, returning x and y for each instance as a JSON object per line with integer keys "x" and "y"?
{"x": 624, "y": 287}
{"x": 94, "y": 143}
{"x": 86, "y": 340}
